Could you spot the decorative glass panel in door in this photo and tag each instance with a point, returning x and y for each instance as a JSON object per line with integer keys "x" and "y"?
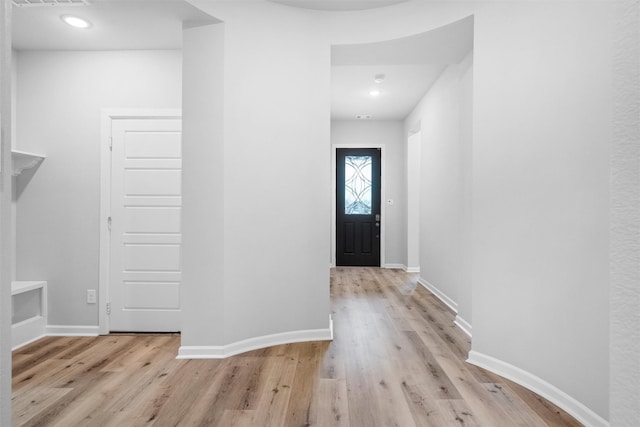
{"x": 357, "y": 185}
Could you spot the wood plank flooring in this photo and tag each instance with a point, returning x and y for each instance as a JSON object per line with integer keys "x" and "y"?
{"x": 397, "y": 360}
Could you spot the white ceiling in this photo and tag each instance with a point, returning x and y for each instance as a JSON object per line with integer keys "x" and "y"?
{"x": 411, "y": 64}
{"x": 117, "y": 25}
{"x": 403, "y": 87}
{"x": 338, "y": 4}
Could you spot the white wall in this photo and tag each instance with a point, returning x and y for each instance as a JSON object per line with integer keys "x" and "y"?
{"x": 59, "y": 99}
{"x": 277, "y": 165}
{"x": 542, "y": 134}
{"x": 203, "y": 166}
{"x": 276, "y": 182}
{"x": 389, "y": 133}
{"x": 6, "y": 245}
{"x": 624, "y": 299}
{"x": 445, "y": 176}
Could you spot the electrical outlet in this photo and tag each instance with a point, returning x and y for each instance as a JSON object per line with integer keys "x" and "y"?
{"x": 91, "y": 296}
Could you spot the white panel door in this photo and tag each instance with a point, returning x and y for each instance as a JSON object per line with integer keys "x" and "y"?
{"x": 145, "y": 272}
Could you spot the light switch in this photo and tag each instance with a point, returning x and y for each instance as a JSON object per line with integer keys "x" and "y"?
{"x": 91, "y": 296}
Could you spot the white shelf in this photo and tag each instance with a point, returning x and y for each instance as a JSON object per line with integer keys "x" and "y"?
{"x": 19, "y": 287}
{"x": 23, "y": 160}
{"x": 29, "y": 312}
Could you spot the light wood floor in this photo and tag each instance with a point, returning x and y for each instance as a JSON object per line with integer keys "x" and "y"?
{"x": 396, "y": 360}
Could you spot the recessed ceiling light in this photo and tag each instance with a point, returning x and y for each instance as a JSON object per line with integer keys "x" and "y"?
{"x": 76, "y": 22}
{"x": 378, "y": 78}
{"x": 374, "y": 92}
{"x": 364, "y": 116}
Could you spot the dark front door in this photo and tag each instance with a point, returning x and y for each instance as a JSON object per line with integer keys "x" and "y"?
{"x": 358, "y": 207}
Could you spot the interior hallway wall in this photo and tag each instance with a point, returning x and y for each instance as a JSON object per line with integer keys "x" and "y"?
{"x": 542, "y": 136}
{"x": 203, "y": 186}
{"x": 59, "y": 100}
{"x": 445, "y": 186}
{"x": 275, "y": 184}
{"x": 389, "y": 133}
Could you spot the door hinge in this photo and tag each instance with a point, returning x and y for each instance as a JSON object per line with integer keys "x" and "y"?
{"x": 108, "y": 308}
{"x": 109, "y": 223}
{"x": 110, "y": 143}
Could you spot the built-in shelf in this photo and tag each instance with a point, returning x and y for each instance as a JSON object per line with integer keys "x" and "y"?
{"x": 29, "y": 312}
{"x": 23, "y": 160}
{"x": 20, "y": 287}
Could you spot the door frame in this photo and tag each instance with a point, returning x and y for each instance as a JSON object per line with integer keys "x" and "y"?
{"x": 334, "y": 148}
{"x": 107, "y": 118}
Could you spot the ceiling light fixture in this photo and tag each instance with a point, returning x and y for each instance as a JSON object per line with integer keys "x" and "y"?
{"x": 374, "y": 92}
{"x": 76, "y": 22}
{"x": 378, "y": 78}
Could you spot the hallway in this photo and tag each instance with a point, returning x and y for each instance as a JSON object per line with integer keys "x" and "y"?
{"x": 396, "y": 359}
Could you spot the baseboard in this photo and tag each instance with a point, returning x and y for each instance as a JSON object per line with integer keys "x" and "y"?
{"x": 27, "y": 331}
{"x": 403, "y": 267}
{"x": 464, "y": 325}
{"x": 221, "y": 352}
{"x": 24, "y": 343}
{"x": 440, "y": 295}
{"x": 72, "y": 330}
{"x": 583, "y": 414}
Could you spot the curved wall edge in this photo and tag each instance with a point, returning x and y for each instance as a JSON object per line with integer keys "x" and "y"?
{"x": 224, "y": 351}
{"x": 576, "y": 409}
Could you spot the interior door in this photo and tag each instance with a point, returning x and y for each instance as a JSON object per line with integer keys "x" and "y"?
{"x": 358, "y": 207}
{"x": 145, "y": 255}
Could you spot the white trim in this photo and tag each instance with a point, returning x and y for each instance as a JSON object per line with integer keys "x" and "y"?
{"x": 223, "y": 351}
{"x": 25, "y": 343}
{"x": 383, "y": 172}
{"x": 140, "y": 113}
{"x": 396, "y": 266}
{"x": 33, "y": 329}
{"x": 583, "y": 414}
{"x": 464, "y": 325}
{"x": 27, "y": 331}
{"x": 72, "y": 330}
{"x": 404, "y": 267}
{"x": 439, "y": 294}
{"x": 107, "y": 116}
